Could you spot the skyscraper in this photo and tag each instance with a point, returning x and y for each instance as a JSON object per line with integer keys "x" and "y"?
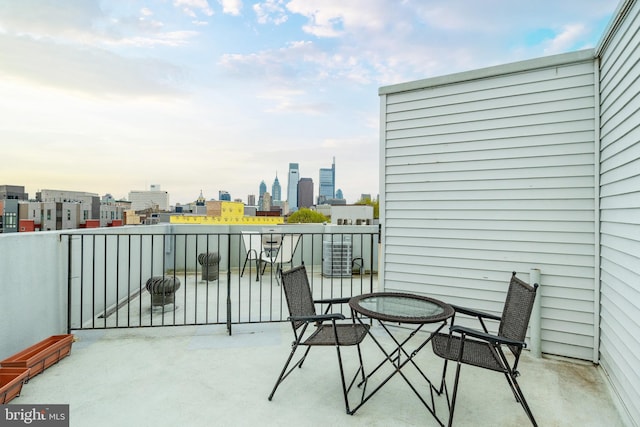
{"x": 224, "y": 195}
{"x": 292, "y": 187}
{"x": 327, "y": 186}
{"x": 305, "y": 192}
{"x": 276, "y": 190}
{"x": 263, "y": 189}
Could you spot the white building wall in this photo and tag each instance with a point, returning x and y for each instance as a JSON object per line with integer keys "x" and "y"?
{"x": 489, "y": 172}
{"x": 141, "y": 200}
{"x": 620, "y": 206}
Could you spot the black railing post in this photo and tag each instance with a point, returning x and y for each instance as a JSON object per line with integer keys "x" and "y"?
{"x": 69, "y": 239}
{"x": 229, "y": 284}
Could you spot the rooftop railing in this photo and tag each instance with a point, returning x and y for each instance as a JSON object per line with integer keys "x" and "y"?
{"x": 178, "y": 279}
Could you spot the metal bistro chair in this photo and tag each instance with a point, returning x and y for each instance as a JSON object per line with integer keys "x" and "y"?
{"x": 281, "y": 255}
{"x": 311, "y": 329}
{"x": 253, "y": 245}
{"x": 481, "y": 349}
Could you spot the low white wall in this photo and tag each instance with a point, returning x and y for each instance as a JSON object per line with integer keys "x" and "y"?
{"x": 33, "y": 268}
{"x": 33, "y": 291}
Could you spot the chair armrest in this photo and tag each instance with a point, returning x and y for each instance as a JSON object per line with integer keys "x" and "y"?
{"x": 477, "y": 313}
{"x": 495, "y": 339}
{"x": 332, "y": 300}
{"x": 317, "y": 317}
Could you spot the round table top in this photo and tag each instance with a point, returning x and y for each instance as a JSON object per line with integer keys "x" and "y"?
{"x": 401, "y": 307}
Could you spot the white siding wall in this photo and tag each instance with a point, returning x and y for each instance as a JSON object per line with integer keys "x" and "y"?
{"x": 492, "y": 171}
{"x": 620, "y": 209}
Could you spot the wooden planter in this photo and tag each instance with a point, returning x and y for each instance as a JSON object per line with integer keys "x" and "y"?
{"x": 40, "y": 356}
{"x": 11, "y": 380}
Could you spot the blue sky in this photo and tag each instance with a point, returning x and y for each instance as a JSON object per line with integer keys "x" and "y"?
{"x": 113, "y": 96}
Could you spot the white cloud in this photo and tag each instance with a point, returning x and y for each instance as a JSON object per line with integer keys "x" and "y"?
{"x": 566, "y": 39}
{"x": 271, "y": 11}
{"x": 231, "y": 7}
{"x": 333, "y": 18}
{"x": 292, "y": 101}
{"x": 188, "y": 7}
{"x": 86, "y": 70}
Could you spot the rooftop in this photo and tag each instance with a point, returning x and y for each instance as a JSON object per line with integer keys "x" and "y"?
{"x": 201, "y": 376}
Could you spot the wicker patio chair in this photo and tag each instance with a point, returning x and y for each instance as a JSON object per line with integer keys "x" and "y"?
{"x": 311, "y": 329}
{"x": 479, "y": 348}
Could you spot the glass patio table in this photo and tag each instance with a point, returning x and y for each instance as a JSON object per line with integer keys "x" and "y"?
{"x": 413, "y": 310}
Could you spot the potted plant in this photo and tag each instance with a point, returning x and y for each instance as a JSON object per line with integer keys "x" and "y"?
{"x": 11, "y": 380}
{"x": 40, "y": 356}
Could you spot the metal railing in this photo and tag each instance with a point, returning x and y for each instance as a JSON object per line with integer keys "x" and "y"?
{"x": 136, "y": 280}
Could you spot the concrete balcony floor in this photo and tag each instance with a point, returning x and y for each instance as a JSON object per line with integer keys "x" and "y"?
{"x": 200, "y": 376}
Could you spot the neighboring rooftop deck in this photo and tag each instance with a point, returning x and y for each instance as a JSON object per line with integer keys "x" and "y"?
{"x": 201, "y": 376}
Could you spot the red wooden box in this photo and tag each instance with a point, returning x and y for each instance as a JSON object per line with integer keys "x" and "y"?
{"x": 11, "y": 380}
{"x": 40, "y": 356}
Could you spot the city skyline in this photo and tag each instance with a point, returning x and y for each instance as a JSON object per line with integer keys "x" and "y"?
{"x": 111, "y": 97}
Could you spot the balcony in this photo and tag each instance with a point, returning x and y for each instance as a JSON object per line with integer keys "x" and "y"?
{"x": 212, "y": 357}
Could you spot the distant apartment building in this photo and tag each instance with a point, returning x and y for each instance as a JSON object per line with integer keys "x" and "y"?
{"x": 152, "y": 200}
{"x": 292, "y": 186}
{"x": 9, "y": 197}
{"x": 66, "y": 209}
{"x": 251, "y": 200}
{"x": 305, "y": 192}
{"x": 13, "y": 192}
{"x": 90, "y": 201}
{"x": 9, "y": 216}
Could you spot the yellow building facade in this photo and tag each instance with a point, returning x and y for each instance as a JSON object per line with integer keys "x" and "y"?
{"x": 225, "y": 213}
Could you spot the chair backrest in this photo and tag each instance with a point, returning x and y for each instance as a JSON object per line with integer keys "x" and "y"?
{"x": 298, "y": 293}
{"x": 288, "y": 247}
{"x": 517, "y": 311}
{"x": 252, "y": 243}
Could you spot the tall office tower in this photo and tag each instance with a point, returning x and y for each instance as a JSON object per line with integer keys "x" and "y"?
{"x": 276, "y": 192}
{"x": 266, "y": 202}
{"x": 263, "y": 189}
{"x": 305, "y": 192}
{"x": 327, "y": 186}
{"x": 339, "y": 194}
{"x": 292, "y": 187}
{"x": 224, "y": 195}
{"x": 251, "y": 200}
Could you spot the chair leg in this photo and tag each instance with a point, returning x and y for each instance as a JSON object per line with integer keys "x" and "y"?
{"x": 513, "y": 390}
{"x": 454, "y": 395}
{"x": 522, "y": 400}
{"x": 344, "y": 383}
{"x": 304, "y": 357}
{"x": 284, "y": 373}
{"x": 442, "y": 380}
{"x": 245, "y": 264}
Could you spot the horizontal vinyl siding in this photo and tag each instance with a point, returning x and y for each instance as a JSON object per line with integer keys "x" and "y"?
{"x": 494, "y": 175}
{"x": 620, "y": 211}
